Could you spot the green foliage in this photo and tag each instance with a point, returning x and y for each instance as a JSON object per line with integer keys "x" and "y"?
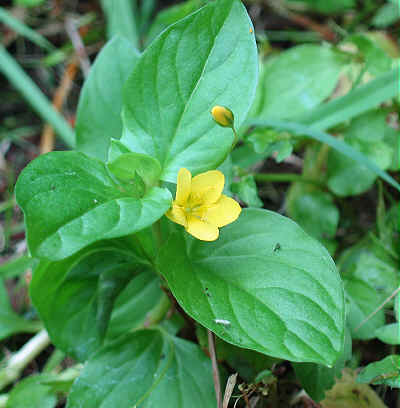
{"x": 121, "y": 21}
{"x": 385, "y": 371}
{"x": 387, "y": 14}
{"x": 32, "y": 392}
{"x": 34, "y": 96}
{"x": 86, "y": 204}
{"x": 246, "y": 190}
{"x": 328, "y": 6}
{"x": 104, "y": 85}
{"x": 149, "y": 368}
{"x": 116, "y": 284}
{"x": 77, "y": 284}
{"x": 297, "y": 81}
{"x": 243, "y": 278}
{"x": 167, "y": 111}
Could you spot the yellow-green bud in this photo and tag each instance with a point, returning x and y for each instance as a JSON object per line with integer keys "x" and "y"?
{"x": 223, "y": 116}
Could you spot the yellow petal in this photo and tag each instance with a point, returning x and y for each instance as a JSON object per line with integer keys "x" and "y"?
{"x": 202, "y": 230}
{"x": 209, "y": 185}
{"x": 177, "y": 214}
{"x": 183, "y": 186}
{"x": 223, "y": 212}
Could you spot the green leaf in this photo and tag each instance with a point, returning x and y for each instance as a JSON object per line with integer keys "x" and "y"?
{"x": 370, "y": 276}
{"x": 100, "y": 103}
{"x": 32, "y": 392}
{"x": 127, "y": 165}
{"x": 317, "y": 379}
{"x": 29, "y": 3}
{"x": 385, "y": 371}
{"x": 315, "y": 211}
{"x": 269, "y": 142}
{"x": 34, "y": 96}
{"x": 390, "y": 333}
{"x": 121, "y": 19}
{"x": 71, "y": 314}
{"x": 10, "y": 322}
{"x": 70, "y": 201}
{"x": 328, "y": 6}
{"x": 148, "y": 368}
{"x": 362, "y": 300}
{"x": 246, "y": 190}
{"x": 376, "y": 59}
{"x": 278, "y": 287}
{"x": 357, "y": 101}
{"x": 244, "y": 156}
{"x": 387, "y": 14}
{"x": 371, "y": 264}
{"x": 337, "y": 144}
{"x": 346, "y": 177}
{"x": 368, "y": 127}
{"x": 296, "y": 81}
{"x": 206, "y": 59}
{"x": 171, "y": 15}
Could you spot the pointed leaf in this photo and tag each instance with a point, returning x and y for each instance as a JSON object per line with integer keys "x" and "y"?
{"x": 146, "y": 369}
{"x": 208, "y": 58}
{"x": 70, "y": 201}
{"x": 264, "y": 285}
{"x": 99, "y": 110}
{"x": 71, "y": 312}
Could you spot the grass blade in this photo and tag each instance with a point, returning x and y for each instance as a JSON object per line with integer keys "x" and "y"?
{"x": 30, "y": 91}
{"x": 359, "y": 100}
{"x": 22, "y": 29}
{"x": 340, "y": 146}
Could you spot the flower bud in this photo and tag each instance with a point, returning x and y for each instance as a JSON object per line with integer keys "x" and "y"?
{"x": 223, "y": 116}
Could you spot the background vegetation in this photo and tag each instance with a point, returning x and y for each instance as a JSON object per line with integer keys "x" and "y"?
{"x": 332, "y": 64}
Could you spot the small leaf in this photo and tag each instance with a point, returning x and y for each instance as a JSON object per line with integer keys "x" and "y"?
{"x": 386, "y": 372}
{"x": 315, "y": 211}
{"x": 296, "y": 81}
{"x": 127, "y": 166}
{"x": 206, "y": 59}
{"x": 362, "y": 300}
{"x": 70, "y": 201}
{"x": 72, "y": 311}
{"x": 346, "y": 177}
{"x": 278, "y": 287}
{"x": 148, "y": 368}
{"x": 246, "y": 190}
{"x": 389, "y": 334}
{"x": 99, "y": 110}
{"x": 32, "y": 392}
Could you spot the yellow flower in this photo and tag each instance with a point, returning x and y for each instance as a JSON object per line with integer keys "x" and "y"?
{"x": 200, "y": 206}
{"x": 223, "y": 116}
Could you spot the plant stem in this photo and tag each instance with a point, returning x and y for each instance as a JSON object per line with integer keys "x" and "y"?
{"x": 213, "y": 355}
{"x": 18, "y": 361}
{"x": 284, "y": 178}
{"x": 157, "y": 233}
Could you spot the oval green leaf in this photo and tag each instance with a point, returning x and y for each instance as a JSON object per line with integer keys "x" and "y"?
{"x": 70, "y": 201}
{"x": 208, "y": 58}
{"x": 145, "y": 369}
{"x": 71, "y": 313}
{"x": 100, "y": 103}
{"x": 264, "y": 285}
